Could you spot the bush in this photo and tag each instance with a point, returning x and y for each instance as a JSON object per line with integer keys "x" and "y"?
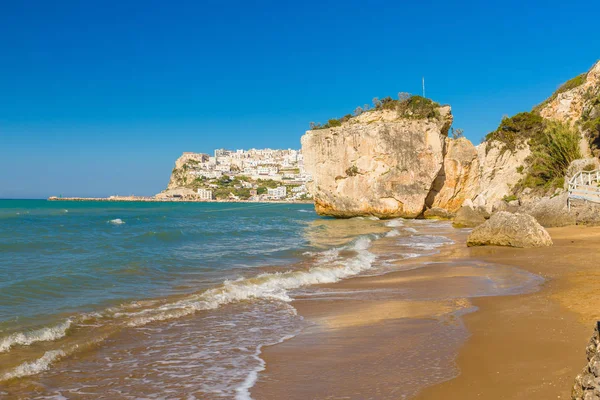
{"x": 418, "y": 107}
{"x": 352, "y": 171}
{"x": 589, "y": 167}
{"x": 552, "y": 153}
{"x": 407, "y": 106}
{"x": 517, "y": 129}
{"x": 510, "y": 198}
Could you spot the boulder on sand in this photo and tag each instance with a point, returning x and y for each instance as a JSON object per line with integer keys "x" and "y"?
{"x": 506, "y": 229}
{"x": 438, "y": 213}
{"x": 468, "y": 217}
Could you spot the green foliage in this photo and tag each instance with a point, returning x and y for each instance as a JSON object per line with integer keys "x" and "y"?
{"x": 568, "y": 85}
{"x": 552, "y": 152}
{"x": 352, "y": 171}
{"x": 590, "y": 119}
{"x": 407, "y": 106}
{"x": 332, "y": 123}
{"x": 589, "y": 167}
{"x": 517, "y": 129}
{"x": 520, "y": 169}
{"x": 510, "y": 198}
{"x": 268, "y": 183}
{"x": 417, "y": 107}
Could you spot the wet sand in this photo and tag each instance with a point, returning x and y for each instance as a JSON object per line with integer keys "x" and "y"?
{"x": 384, "y": 347}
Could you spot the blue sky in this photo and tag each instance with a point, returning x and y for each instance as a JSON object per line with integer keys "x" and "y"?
{"x": 100, "y": 98}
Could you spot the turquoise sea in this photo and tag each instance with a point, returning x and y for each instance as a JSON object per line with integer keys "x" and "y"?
{"x": 175, "y": 300}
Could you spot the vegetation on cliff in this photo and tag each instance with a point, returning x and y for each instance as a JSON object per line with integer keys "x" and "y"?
{"x": 406, "y": 106}
{"x": 517, "y": 130}
{"x": 553, "y": 146}
{"x": 590, "y": 119}
{"x": 568, "y": 85}
{"x": 552, "y": 151}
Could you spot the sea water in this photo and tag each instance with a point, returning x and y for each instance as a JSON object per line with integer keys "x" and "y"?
{"x": 169, "y": 300}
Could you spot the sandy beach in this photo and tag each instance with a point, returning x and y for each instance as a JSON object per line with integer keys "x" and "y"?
{"x": 462, "y": 343}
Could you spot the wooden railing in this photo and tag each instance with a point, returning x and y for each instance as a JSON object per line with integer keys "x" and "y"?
{"x": 585, "y": 185}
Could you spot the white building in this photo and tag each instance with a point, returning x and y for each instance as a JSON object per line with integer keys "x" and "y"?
{"x": 205, "y": 194}
{"x": 277, "y": 193}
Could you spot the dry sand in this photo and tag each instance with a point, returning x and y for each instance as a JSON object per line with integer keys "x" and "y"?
{"x": 520, "y": 346}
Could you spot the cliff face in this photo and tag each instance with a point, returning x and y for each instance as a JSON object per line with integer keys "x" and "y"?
{"x": 459, "y": 178}
{"x": 180, "y": 176}
{"x": 376, "y": 164}
{"x": 570, "y": 105}
{"x": 389, "y": 164}
{"x": 578, "y": 104}
{"x": 498, "y": 172}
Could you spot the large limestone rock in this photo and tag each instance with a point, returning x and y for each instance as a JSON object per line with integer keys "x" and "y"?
{"x": 506, "y": 229}
{"x": 376, "y": 164}
{"x": 468, "y": 217}
{"x": 459, "y": 179}
{"x": 550, "y": 211}
{"x": 500, "y": 170}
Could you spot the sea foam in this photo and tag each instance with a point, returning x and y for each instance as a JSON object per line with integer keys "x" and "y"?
{"x": 116, "y": 221}
{"x": 273, "y": 286}
{"x": 39, "y": 335}
{"x": 34, "y": 367}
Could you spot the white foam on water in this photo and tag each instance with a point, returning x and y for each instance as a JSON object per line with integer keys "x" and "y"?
{"x": 411, "y": 230}
{"x": 34, "y": 367}
{"x": 373, "y": 218}
{"x": 273, "y": 286}
{"x": 39, "y": 335}
{"x": 242, "y": 392}
{"x": 394, "y": 223}
{"x": 393, "y": 233}
{"x": 116, "y": 221}
{"x": 306, "y": 211}
{"x": 426, "y": 242}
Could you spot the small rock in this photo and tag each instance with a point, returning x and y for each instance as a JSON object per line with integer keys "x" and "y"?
{"x": 438, "y": 213}
{"x": 467, "y": 217}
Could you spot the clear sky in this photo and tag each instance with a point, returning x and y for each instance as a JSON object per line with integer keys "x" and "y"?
{"x": 101, "y": 97}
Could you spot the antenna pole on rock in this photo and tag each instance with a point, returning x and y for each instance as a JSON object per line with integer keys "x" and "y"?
{"x": 423, "y": 86}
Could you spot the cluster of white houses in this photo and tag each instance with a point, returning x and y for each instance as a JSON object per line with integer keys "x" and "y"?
{"x": 285, "y": 166}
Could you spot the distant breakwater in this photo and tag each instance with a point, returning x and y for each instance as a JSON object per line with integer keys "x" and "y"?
{"x": 170, "y": 200}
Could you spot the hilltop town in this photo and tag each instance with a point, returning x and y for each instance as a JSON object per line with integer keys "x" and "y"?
{"x": 252, "y": 175}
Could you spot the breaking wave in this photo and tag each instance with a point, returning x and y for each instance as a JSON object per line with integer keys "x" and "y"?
{"x": 34, "y": 367}
{"x": 38, "y": 335}
{"x": 329, "y": 266}
{"x": 394, "y": 223}
{"x": 116, "y": 221}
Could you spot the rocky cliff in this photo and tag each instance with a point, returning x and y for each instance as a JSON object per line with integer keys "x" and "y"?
{"x": 377, "y": 164}
{"x": 388, "y": 163}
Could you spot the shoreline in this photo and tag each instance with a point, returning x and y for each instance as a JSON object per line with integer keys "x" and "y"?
{"x": 519, "y": 346}
{"x": 171, "y": 200}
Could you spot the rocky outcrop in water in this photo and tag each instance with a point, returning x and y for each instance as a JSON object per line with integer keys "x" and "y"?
{"x": 377, "y": 164}
{"x": 507, "y": 229}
